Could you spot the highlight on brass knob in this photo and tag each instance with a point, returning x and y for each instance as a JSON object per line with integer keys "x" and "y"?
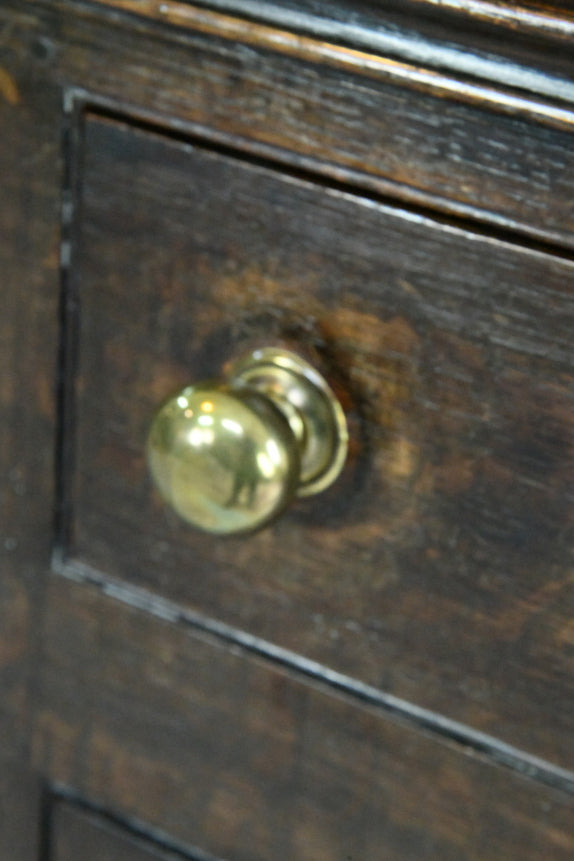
{"x": 229, "y": 456}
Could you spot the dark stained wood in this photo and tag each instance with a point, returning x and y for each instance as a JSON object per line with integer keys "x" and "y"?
{"x": 78, "y": 834}
{"x": 243, "y": 760}
{"x": 439, "y": 567}
{"x": 478, "y": 159}
{"x": 20, "y": 804}
{"x": 458, "y": 389}
{"x": 29, "y": 247}
{"x": 463, "y": 36}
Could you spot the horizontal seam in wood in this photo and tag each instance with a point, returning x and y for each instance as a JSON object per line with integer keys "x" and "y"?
{"x": 129, "y": 825}
{"x": 369, "y": 186}
{"x": 494, "y": 750}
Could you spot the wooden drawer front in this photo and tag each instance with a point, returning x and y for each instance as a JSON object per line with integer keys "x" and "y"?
{"x": 439, "y": 568}
{"x": 244, "y": 759}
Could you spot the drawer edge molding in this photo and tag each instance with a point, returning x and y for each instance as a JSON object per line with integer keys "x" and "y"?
{"x": 350, "y": 60}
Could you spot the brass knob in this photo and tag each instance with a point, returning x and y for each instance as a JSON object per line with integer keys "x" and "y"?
{"x": 229, "y": 456}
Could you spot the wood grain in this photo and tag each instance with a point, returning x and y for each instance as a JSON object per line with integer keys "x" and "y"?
{"x": 478, "y": 160}
{"x": 308, "y": 48}
{"x": 459, "y": 390}
{"x": 439, "y": 569}
{"x": 243, "y": 760}
{"x": 29, "y": 244}
{"x": 545, "y": 21}
{"x": 459, "y": 37}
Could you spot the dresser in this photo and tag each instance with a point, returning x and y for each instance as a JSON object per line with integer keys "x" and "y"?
{"x": 382, "y": 192}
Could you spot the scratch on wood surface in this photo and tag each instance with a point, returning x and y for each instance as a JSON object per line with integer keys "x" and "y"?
{"x": 8, "y": 88}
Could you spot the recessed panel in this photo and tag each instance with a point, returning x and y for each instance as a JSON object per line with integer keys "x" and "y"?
{"x": 438, "y": 567}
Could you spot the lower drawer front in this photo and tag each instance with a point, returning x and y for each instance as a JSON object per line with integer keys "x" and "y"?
{"x": 167, "y": 727}
{"x": 439, "y": 567}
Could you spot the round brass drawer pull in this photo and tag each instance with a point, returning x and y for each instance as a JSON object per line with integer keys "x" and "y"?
{"x": 229, "y": 456}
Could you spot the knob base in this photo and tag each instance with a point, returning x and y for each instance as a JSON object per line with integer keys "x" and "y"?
{"x": 309, "y": 405}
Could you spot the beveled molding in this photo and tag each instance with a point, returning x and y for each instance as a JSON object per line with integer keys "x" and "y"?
{"x": 556, "y": 21}
{"x": 530, "y": 17}
{"x": 316, "y": 50}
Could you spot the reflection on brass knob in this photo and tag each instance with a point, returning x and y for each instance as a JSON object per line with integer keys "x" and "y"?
{"x": 229, "y": 456}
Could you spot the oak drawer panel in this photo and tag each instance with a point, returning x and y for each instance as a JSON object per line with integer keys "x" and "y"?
{"x": 439, "y": 568}
{"x": 239, "y": 757}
